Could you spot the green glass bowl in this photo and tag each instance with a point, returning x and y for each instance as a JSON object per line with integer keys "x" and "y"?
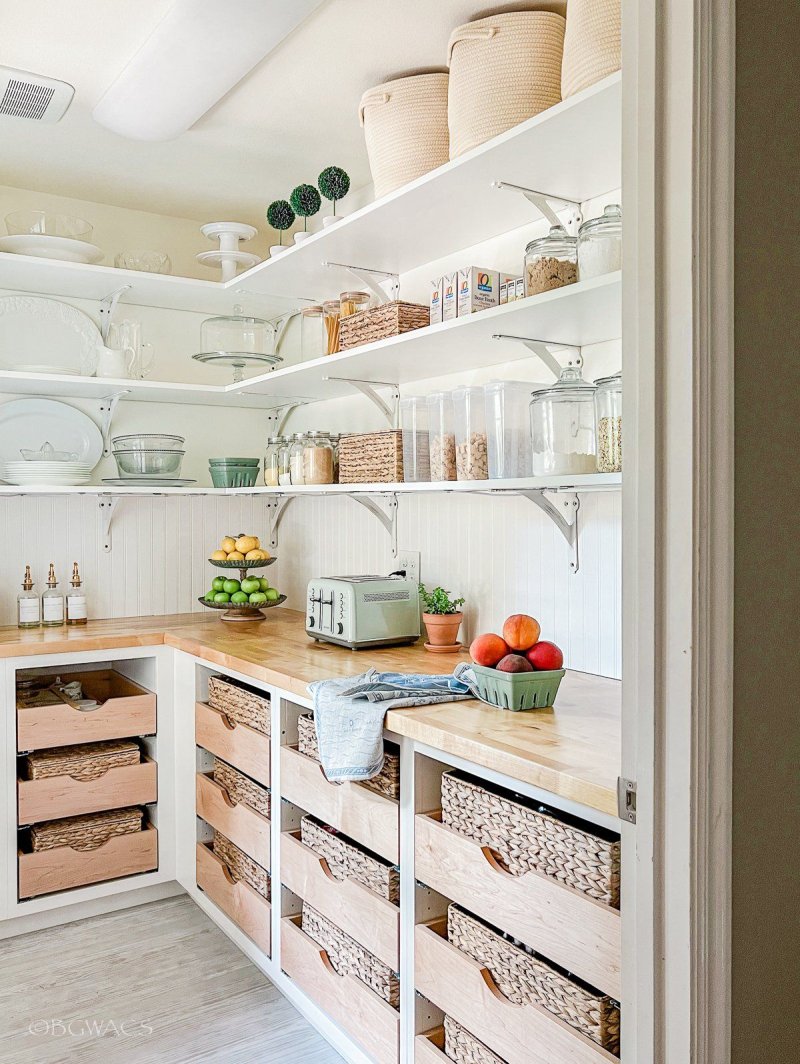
{"x": 517, "y": 690}
{"x": 234, "y": 476}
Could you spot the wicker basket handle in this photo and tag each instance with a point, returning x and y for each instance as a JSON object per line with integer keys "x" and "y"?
{"x": 470, "y": 35}
{"x": 89, "y": 772}
{"x": 91, "y": 844}
{"x": 495, "y": 990}
{"x": 378, "y": 97}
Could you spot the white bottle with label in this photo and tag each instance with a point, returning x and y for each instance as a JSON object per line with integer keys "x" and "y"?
{"x": 52, "y": 602}
{"x": 29, "y": 606}
{"x": 77, "y": 612}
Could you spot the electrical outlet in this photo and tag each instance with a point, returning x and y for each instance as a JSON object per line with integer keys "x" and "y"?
{"x": 409, "y": 561}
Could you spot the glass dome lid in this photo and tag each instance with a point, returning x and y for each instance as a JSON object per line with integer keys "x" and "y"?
{"x": 570, "y": 385}
{"x": 237, "y": 340}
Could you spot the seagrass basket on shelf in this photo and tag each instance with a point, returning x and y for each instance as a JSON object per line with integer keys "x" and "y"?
{"x": 85, "y": 761}
{"x": 387, "y": 782}
{"x": 349, "y": 957}
{"x": 378, "y": 323}
{"x": 592, "y": 43}
{"x": 241, "y": 703}
{"x": 371, "y": 458}
{"x": 348, "y": 860}
{"x": 241, "y": 866}
{"x": 86, "y": 832}
{"x": 464, "y": 1048}
{"x": 240, "y": 788}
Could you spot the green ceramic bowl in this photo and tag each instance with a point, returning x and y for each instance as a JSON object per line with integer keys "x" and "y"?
{"x": 233, "y": 476}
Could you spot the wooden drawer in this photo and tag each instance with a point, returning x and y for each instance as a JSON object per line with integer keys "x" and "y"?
{"x": 126, "y": 709}
{"x": 350, "y": 1004}
{"x": 238, "y": 900}
{"x": 59, "y": 796}
{"x": 365, "y": 816}
{"x": 369, "y": 919}
{"x": 520, "y": 1034}
{"x": 245, "y": 827}
{"x": 238, "y": 744}
{"x": 564, "y": 925}
{"x": 429, "y": 1047}
{"x": 63, "y": 868}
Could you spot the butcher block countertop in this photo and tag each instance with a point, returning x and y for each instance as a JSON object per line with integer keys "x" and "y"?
{"x": 572, "y": 750}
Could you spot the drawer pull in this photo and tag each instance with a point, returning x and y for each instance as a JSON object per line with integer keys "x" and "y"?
{"x": 229, "y": 724}
{"x": 327, "y": 871}
{"x": 227, "y": 798}
{"x": 494, "y": 862}
{"x": 326, "y": 963}
{"x": 495, "y": 990}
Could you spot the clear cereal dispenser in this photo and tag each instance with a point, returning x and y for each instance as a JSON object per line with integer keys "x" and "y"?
{"x": 508, "y": 428}
{"x": 441, "y": 436}
{"x": 472, "y": 459}
{"x": 416, "y": 449}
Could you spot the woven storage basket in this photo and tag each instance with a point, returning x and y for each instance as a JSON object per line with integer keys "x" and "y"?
{"x": 387, "y": 782}
{"x": 464, "y": 1048}
{"x": 377, "y": 323}
{"x": 241, "y": 703}
{"x": 86, "y": 832}
{"x": 503, "y": 69}
{"x": 592, "y": 43}
{"x": 241, "y": 788}
{"x": 348, "y": 957}
{"x": 405, "y": 127}
{"x": 371, "y": 458}
{"x": 86, "y": 761}
{"x": 528, "y": 839}
{"x": 526, "y": 979}
{"x": 241, "y": 866}
{"x": 347, "y": 860}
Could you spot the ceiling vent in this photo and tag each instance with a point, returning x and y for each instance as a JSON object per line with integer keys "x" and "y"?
{"x": 24, "y": 95}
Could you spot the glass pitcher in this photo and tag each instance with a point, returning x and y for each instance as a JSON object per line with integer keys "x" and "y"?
{"x": 127, "y": 336}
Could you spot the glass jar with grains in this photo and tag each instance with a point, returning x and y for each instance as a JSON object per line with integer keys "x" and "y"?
{"x": 551, "y": 261}
{"x": 317, "y": 458}
{"x": 441, "y": 436}
{"x": 297, "y": 458}
{"x": 271, "y": 461}
{"x": 284, "y": 462}
{"x": 563, "y": 427}
{"x": 608, "y": 411}
{"x": 600, "y": 244}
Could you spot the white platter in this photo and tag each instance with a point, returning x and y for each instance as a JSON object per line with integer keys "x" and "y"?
{"x": 32, "y": 327}
{"x": 29, "y": 423}
{"x": 41, "y": 246}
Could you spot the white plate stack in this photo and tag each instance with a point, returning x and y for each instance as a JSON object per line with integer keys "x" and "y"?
{"x": 51, "y": 474}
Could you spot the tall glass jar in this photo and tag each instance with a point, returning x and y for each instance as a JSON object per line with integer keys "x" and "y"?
{"x": 297, "y": 458}
{"x": 353, "y": 303}
{"x": 416, "y": 449}
{"x": 317, "y": 458}
{"x": 600, "y": 244}
{"x": 441, "y": 434}
{"x": 331, "y": 314}
{"x": 563, "y": 427}
{"x": 551, "y": 261}
{"x": 284, "y": 462}
{"x": 508, "y": 428}
{"x": 271, "y": 462}
{"x": 472, "y": 455}
{"x": 334, "y": 437}
{"x": 608, "y": 412}
{"x": 313, "y": 337}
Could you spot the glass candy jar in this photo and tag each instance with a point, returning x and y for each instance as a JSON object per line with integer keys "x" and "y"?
{"x": 600, "y": 244}
{"x": 563, "y": 427}
{"x": 551, "y": 261}
{"x": 608, "y": 412}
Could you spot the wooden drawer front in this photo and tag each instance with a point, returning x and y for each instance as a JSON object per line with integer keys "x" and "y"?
{"x": 125, "y": 710}
{"x": 63, "y": 868}
{"x": 237, "y": 900}
{"x": 369, "y": 919}
{"x": 350, "y": 1004}
{"x": 429, "y": 1048}
{"x": 365, "y": 816}
{"x": 58, "y": 796}
{"x": 245, "y": 827}
{"x": 520, "y": 1034}
{"x": 569, "y": 928}
{"x": 239, "y": 745}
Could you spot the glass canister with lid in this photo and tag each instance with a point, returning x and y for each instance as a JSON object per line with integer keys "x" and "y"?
{"x": 297, "y": 459}
{"x": 600, "y": 244}
{"x": 284, "y": 462}
{"x": 416, "y": 447}
{"x": 271, "y": 462}
{"x": 317, "y": 458}
{"x": 551, "y": 261}
{"x": 441, "y": 436}
{"x": 331, "y": 313}
{"x": 313, "y": 337}
{"x": 472, "y": 459}
{"x": 563, "y": 427}
{"x": 608, "y": 412}
{"x": 353, "y": 303}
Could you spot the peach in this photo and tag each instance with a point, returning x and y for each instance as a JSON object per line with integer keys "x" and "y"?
{"x": 514, "y": 663}
{"x": 488, "y": 649}
{"x": 521, "y": 631}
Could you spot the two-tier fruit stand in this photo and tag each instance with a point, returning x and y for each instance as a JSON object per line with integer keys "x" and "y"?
{"x": 245, "y": 611}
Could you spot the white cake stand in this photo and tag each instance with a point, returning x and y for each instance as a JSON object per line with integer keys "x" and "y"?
{"x": 228, "y": 257}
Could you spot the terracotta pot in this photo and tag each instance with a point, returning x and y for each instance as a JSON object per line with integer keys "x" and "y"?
{"x": 442, "y": 628}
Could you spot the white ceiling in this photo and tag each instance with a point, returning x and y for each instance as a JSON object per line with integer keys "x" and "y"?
{"x": 293, "y": 115}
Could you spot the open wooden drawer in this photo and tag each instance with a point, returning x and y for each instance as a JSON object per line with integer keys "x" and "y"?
{"x": 238, "y": 744}
{"x": 245, "y": 906}
{"x": 350, "y": 1004}
{"x": 520, "y": 1034}
{"x": 125, "y": 709}
{"x": 63, "y": 868}
{"x": 60, "y": 796}
{"x": 569, "y": 928}
{"x": 247, "y": 828}
{"x": 365, "y": 816}
{"x": 429, "y": 1047}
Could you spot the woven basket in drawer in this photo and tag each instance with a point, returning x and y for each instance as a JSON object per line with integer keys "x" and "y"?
{"x": 528, "y": 838}
{"x": 86, "y": 761}
{"x": 86, "y": 832}
{"x": 241, "y": 703}
{"x": 241, "y": 788}
{"x": 387, "y": 782}
{"x": 240, "y": 865}
{"x": 371, "y": 458}
{"x": 350, "y": 958}
{"x": 347, "y": 860}
{"x": 389, "y": 319}
{"x": 526, "y": 979}
{"x": 464, "y": 1048}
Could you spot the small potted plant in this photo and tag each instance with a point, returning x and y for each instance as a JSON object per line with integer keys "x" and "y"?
{"x": 334, "y": 184}
{"x": 442, "y": 619}
{"x": 281, "y": 217}
{"x": 305, "y": 201}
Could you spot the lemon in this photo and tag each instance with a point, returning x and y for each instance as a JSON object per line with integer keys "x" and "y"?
{"x": 228, "y": 544}
{"x": 235, "y": 556}
{"x": 245, "y": 544}
{"x": 257, "y": 542}
{"x": 219, "y": 556}
{"x": 253, "y": 556}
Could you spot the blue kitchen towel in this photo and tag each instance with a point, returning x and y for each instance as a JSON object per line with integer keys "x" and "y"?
{"x": 349, "y": 714}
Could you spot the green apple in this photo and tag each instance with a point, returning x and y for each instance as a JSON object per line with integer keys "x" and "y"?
{"x": 222, "y": 596}
{"x": 238, "y": 597}
{"x": 273, "y": 594}
{"x": 258, "y": 598}
{"x": 218, "y": 583}
{"x": 210, "y": 595}
{"x": 263, "y": 583}
{"x": 230, "y": 586}
{"x": 251, "y": 584}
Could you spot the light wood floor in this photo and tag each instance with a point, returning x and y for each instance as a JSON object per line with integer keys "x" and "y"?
{"x": 163, "y": 984}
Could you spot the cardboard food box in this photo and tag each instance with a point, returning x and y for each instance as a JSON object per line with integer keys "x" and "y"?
{"x": 436, "y": 301}
{"x": 450, "y": 296}
{"x": 478, "y": 289}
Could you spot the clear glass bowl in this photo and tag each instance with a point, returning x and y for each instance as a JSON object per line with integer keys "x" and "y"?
{"x": 144, "y": 261}
{"x": 149, "y": 463}
{"x": 43, "y": 223}
{"x": 147, "y": 441}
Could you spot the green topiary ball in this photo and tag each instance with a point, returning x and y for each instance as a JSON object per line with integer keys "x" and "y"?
{"x": 280, "y": 215}
{"x": 334, "y": 183}
{"x": 305, "y": 200}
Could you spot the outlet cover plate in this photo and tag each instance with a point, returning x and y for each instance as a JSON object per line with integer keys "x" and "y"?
{"x": 410, "y": 561}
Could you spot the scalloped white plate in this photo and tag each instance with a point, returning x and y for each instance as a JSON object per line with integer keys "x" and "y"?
{"x": 32, "y": 326}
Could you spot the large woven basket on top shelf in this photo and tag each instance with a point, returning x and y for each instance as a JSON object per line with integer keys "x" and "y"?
{"x": 405, "y": 128}
{"x": 241, "y": 703}
{"x": 503, "y": 69}
{"x": 241, "y": 866}
{"x": 371, "y": 458}
{"x": 528, "y": 839}
{"x": 526, "y": 979}
{"x": 387, "y": 782}
{"x": 241, "y": 788}
{"x": 85, "y": 761}
{"x": 349, "y": 957}
{"x": 464, "y": 1048}
{"x": 347, "y": 860}
{"x": 86, "y": 832}
{"x": 592, "y": 43}
{"x": 378, "y": 323}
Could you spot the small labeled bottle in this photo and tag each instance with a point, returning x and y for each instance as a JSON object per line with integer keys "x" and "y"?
{"x": 77, "y": 612}
{"x": 29, "y": 606}
{"x": 52, "y": 602}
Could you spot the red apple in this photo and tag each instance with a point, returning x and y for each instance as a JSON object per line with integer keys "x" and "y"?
{"x": 545, "y": 656}
{"x": 514, "y": 663}
{"x": 488, "y": 649}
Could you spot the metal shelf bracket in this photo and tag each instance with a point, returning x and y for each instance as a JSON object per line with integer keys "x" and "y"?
{"x": 107, "y": 408}
{"x": 562, "y": 509}
{"x": 367, "y": 277}
{"x": 541, "y": 348}
{"x": 387, "y": 517}
{"x": 106, "y": 508}
{"x": 107, "y": 308}
{"x": 278, "y": 416}
{"x": 279, "y": 327}
{"x": 276, "y": 508}
{"x": 367, "y": 388}
{"x": 542, "y": 201}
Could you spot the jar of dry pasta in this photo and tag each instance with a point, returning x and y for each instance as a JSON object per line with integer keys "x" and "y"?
{"x": 331, "y": 312}
{"x": 353, "y": 303}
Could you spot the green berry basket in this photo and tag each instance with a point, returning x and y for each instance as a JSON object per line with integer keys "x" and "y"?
{"x": 517, "y": 690}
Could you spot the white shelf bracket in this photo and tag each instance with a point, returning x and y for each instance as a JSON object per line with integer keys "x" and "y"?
{"x": 562, "y": 507}
{"x": 367, "y": 277}
{"x": 541, "y": 348}
{"x": 542, "y": 202}
{"x": 107, "y": 408}
{"x": 106, "y": 508}
{"x": 279, "y": 327}
{"x": 278, "y": 416}
{"x": 387, "y": 517}
{"x": 107, "y": 308}
{"x": 367, "y": 388}
{"x": 276, "y": 508}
